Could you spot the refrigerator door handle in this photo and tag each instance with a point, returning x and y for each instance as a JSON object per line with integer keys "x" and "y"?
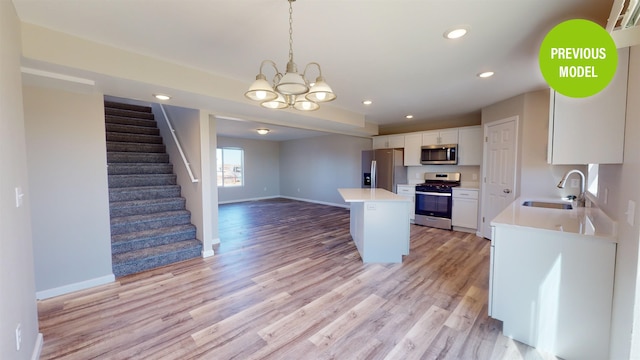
{"x": 374, "y": 175}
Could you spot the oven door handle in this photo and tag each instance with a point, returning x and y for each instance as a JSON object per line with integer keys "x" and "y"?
{"x": 432, "y": 193}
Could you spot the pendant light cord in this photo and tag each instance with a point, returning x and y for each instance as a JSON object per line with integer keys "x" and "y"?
{"x": 291, "y": 31}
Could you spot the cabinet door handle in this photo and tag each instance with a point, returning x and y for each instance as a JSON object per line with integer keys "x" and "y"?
{"x": 506, "y": 191}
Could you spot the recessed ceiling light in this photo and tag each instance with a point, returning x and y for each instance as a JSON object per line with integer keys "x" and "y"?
{"x": 486, "y": 74}
{"x": 263, "y": 131}
{"x": 456, "y": 33}
{"x": 409, "y": 117}
{"x": 162, "y": 97}
{"x": 367, "y": 102}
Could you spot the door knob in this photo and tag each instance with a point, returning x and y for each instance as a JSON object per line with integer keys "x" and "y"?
{"x": 506, "y": 191}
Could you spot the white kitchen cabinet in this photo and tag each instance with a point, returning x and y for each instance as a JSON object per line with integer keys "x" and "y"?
{"x": 470, "y": 145}
{"x": 440, "y": 137}
{"x": 388, "y": 142}
{"x": 590, "y": 130}
{"x": 410, "y": 192}
{"x": 464, "y": 212}
{"x": 553, "y": 290}
{"x": 412, "y": 148}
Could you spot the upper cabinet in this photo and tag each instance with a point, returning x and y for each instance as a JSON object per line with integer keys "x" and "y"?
{"x": 590, "y": 130}
{"x": 439, "y": 137}
{"x": 470, "y": 145}
{"x": 412, "y": 145}
{"x": 388, "y": 142}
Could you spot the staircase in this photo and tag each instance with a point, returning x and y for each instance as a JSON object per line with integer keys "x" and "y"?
{"x": 150, "y": 226}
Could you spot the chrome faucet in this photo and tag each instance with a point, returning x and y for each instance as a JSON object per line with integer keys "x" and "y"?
{"x": 580, "y": 199}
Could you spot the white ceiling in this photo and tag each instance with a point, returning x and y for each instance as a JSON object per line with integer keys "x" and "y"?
{"x": 390, "y": 51}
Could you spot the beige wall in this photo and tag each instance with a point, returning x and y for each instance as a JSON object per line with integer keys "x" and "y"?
{"x": 17, "y": 284}
{"x": 622, "y": 183}
{"x": 66, "y": 150}
{"x": 431, "y": 124}
{"x": 534, "y": 177}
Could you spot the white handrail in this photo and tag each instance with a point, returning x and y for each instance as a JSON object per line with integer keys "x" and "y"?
{"x": 175, "y": 138}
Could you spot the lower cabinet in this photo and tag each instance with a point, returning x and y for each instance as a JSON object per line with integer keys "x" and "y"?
{"x": 465, "y": 209}
{"x": 553, "y": 290}
{"x": 410, "y": 192}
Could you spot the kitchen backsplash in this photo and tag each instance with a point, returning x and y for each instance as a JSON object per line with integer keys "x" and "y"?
{"x": 469, "y": 175}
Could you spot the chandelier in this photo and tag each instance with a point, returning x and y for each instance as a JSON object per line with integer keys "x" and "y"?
{"x": 291, "y": 89}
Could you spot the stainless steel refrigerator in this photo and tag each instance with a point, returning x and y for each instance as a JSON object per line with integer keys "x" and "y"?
{"x": 383, "y": 168}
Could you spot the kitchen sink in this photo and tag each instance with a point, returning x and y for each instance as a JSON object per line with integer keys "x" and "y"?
{"x": 548, "y": 205}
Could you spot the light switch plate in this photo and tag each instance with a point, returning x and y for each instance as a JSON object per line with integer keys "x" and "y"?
{"x": 631, "y": 212}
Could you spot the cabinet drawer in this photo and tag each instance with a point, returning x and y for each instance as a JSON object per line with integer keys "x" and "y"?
{"x": 406, "y": 190}
{"x": 467, "y": 194}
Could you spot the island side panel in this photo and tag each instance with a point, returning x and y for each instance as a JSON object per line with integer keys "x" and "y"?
{"x": 357, "y": 225}
{"x": 386, "y": 231}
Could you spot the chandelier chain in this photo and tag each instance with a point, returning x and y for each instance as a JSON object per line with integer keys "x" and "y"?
{"x": 290, "y": 31}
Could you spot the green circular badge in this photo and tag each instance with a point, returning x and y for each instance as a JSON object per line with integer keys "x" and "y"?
{"x": 578, "y": 58}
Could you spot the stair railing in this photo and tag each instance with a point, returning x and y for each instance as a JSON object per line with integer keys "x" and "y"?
{"x": 175, "y": 138}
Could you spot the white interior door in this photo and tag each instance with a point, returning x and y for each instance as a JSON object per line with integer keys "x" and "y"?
{"x": 499, "y": 185}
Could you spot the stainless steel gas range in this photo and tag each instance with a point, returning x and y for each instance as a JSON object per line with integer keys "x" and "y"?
{"x": 434, "y": 199}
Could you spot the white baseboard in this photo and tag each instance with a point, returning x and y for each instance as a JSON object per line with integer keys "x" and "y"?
{"x": 208, "y": 252}
{"x": 65, "y": 289}
{"x": 37, "y": 348}
{"x": 346, "y": 206}
{"x": 250, "y": 199}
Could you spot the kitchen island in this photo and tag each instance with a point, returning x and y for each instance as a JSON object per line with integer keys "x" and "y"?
{"x": 551, "y": 278}
{"x": 379, "y": 224}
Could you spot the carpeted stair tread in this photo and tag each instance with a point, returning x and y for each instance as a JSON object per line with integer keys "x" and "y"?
{"x": 146, "y": 234}
{"x": 117, "y": 146}
{"x": 123, "y": 120}
{"x": 139, "y": 168}
{"x": 129, "y": 180}
{"x": 149, "y": 258}
{"x": 140, "y": 207}
{"x": 150, "y": 238}
{"x": 134, "y": 157}
{"x": 133, "y": 223}
{"x": 144, "y": 193}
{"x": 113, "y": 136}
{"x": 131, "y": 129}
{"x": 133, "y": 107}
{"x": 129, "y": 113}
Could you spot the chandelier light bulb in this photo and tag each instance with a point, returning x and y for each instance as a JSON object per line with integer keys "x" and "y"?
{"x": 260, "y": 94}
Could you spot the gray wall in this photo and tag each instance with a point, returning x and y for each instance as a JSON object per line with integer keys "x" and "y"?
{"x": 314, "y": 168}
{"x": 17, "y": 284}
{"x": 186, "y": 123}
{"x": 66, "y": 151}
{"x": 261, "y": 170}
{"x": 623, "y": 185}
{"x": 534, "y": 177}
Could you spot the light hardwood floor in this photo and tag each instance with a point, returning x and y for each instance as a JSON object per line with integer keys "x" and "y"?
{"x": 287, "y": 283}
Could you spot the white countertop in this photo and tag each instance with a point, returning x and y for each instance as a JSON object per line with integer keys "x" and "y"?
{"x": 591, "y": 222}
{"x": 361, "y": 195}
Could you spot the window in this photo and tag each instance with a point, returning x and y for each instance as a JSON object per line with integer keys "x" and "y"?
{"x": 230, "y": 164}
{"x": 592, "y": 179}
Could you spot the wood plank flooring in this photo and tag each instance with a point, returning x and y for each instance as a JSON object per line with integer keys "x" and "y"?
{"x": 287, "y": 283}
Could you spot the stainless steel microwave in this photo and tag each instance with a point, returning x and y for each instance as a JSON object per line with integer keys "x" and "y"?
{"x": 439, "y": 154}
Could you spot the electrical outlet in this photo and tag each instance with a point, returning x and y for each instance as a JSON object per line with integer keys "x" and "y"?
{"x": 474, "y": 177}
{"x": 18, "y": 337}
{"x": 631, "y": 212}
